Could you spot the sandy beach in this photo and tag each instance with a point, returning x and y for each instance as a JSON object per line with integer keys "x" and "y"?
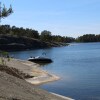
{"x": 33, "y": 69}
{"x": 40, "y": 77}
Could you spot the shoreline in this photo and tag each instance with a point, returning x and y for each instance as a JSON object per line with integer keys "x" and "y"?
{"x": 61, "y": 96}
{"x": 40, "y": 76}
{"x": 42, "y": 79}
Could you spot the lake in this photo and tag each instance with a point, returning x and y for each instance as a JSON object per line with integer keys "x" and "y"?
{"x": 78, "y": 65}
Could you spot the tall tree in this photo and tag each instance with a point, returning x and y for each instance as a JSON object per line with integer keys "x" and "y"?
{"x": 5, "y": 12}
{"x": 46, "y": 35}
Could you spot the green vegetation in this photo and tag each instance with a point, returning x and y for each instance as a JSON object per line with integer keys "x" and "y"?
{"x": 88, "y": 38}
{"x": 7, "y": 30}
{"x": 45, "y": 35}
{"x": 4, "y": 12}
{"x": 4, "y": 55}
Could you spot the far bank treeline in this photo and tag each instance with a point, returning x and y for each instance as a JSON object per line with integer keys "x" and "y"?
{"x": 18, "y": 39}
{"x": 44, "y": 35}
{"x": 88, "y": 38}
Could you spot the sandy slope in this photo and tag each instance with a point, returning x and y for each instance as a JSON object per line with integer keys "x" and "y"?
{"x": 13, "y": 88}
{"x": 32, "y": 69}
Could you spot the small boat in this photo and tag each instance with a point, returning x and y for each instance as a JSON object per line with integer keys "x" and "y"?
{"x": 39, "y": 59}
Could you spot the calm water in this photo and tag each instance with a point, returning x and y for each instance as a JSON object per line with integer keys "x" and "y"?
{"x": 78, "y": 65}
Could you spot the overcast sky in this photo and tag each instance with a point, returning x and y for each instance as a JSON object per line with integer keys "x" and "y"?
{"x": 61, "y": 17}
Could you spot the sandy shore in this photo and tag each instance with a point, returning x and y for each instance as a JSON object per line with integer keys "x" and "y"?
{"x": 33, "y": 69}
{"x": 40, "y": 76}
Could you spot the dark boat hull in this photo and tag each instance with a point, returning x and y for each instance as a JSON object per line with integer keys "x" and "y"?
{"x": 41, "y": 60}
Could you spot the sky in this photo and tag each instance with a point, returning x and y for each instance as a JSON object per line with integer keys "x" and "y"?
{"x": 71, "y": 18}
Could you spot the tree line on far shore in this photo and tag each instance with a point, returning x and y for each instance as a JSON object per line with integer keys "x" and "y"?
{"x": 88, "y": 38}
{"x": 31, "y": 33}
{"x": 46, "y": 35}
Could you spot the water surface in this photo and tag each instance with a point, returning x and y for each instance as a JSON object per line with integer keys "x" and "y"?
{"x": 78, "y": 65}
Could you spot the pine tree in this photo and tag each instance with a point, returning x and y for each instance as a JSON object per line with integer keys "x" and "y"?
{"x": 5, "y": 12}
